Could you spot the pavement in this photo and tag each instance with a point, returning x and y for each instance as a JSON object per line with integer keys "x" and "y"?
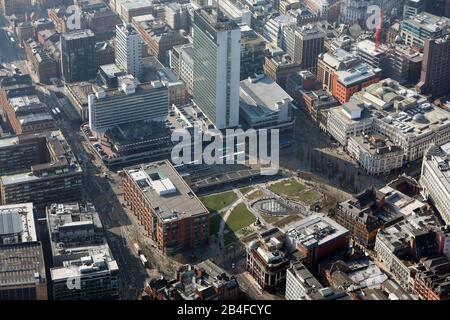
{"x": 9, "y": 51}
{"x": 314, "y": 152}
{"x": 114, "y": 219}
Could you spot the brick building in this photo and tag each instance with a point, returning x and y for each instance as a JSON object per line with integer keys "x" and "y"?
{"x": 166, "y": 206}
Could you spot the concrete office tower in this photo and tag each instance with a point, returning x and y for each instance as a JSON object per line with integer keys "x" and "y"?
{"x": 417, "y": 29}
{"x": 129, "y": 103}
{"x": 435, "y": 75}
{"x": 309, "y": 43}
{"x": 78, "y": 60}
{"x": 412, "y": 8}
{"x": 129, "y": 50}
{"x": 217, "y": 67}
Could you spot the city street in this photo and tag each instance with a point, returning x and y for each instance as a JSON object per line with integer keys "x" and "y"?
{"x": 314, "y": 152}
{"x": 114, "y": 219}
{"x": 9, "y": 51}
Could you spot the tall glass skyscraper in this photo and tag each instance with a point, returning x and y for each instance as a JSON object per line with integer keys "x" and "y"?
{"x": 78, "y": 62}
{"x": 216, "y": 67}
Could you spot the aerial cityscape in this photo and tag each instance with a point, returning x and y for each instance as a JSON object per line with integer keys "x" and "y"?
{"x": 234, "y": 150}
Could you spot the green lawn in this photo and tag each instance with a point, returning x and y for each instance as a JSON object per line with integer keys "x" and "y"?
{"x": 255, "y": 195}
{"x": 245, "y": 190}
{"x": 270, "y": 218}
{"x": 219, "y": 201}
{"x": 240, "y": 218}
{"x": 288, "y": 188}
{"x": 309, "y": 197}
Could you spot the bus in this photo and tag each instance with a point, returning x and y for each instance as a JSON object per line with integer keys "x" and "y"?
{"x": 137, "y": 249}
{"x": 144, "y": 260}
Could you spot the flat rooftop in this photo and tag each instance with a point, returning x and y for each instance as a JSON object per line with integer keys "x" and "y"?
{"x": 94, "y": 260}
{"x": 315, "y": 230}
{"x": 399, "y": 234}
{"x": 18, "y": 219}
{"x": 78, "y": 34}
{"x": 376, "y": 145}
{"x": 261, "y": 95}
{"x": 135, "y": 4}
{"x": 401, "y": 202}
{"x": 165, "y": 190}
{"x": 350, "y": 69}
{"x": 428, "y": 22}
{"x": 62, "y": 161}
{"x": 217, "y": 19}
{"x": 21, "y": 264}
{"x": 438, "y": 158}
{"x": 369, "y": 47}
{"x": 111, "y": 70}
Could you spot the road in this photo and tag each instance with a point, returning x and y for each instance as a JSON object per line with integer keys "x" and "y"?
{"x": 9, "y": 51}
{"x": 114, "y": 219}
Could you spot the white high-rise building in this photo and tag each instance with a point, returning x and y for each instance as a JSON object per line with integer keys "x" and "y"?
{"x": 217, "y": 57}
{"x": 435, "y": 178}
{"x": 129, "y": 50}
{"x": 412, "y": 8}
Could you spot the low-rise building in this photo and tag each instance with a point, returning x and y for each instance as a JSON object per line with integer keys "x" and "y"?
{"x": 405, "y": 64}
{"x": 343, "y": 74}
{"x": 253, "y": 48}
{"x": 348, "y": 120}
{"x": 318, "y": 103}
{"x": 25, "y": 278}
{"x": 109, "y": 74}
{"x": 399, "y": 246}
{"x": 45, "y": 67}
{"x": 264, "y": 104}
{"x": 416, "y": 29}
{"x": 10, "y": 7}
{"x": 267, "y": 260}
{"x": 104, "y": 53}
{"x": 279, "y": 68}
{"x": 302, "y": 285}
{"x": 431, "y": 281}
{"x": 375, "y": 154}
{"x": 78, "y": 93}
{"x": 316, "y": 238}
{"x": 397, "y": 113}
{"x": 81, "y": 256}
{"x": 27, "y": 114}
{"x": 300, "y": 83}
{"x": 128, "y": 9}
{"x": 54, "y": 174}
{"x": 371, "y": 210}
{"x": 160, "y": 38}
{"x": 22, "y": 272}
{"x": 166, "y": 207}
{"x": 204, "y": 281}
